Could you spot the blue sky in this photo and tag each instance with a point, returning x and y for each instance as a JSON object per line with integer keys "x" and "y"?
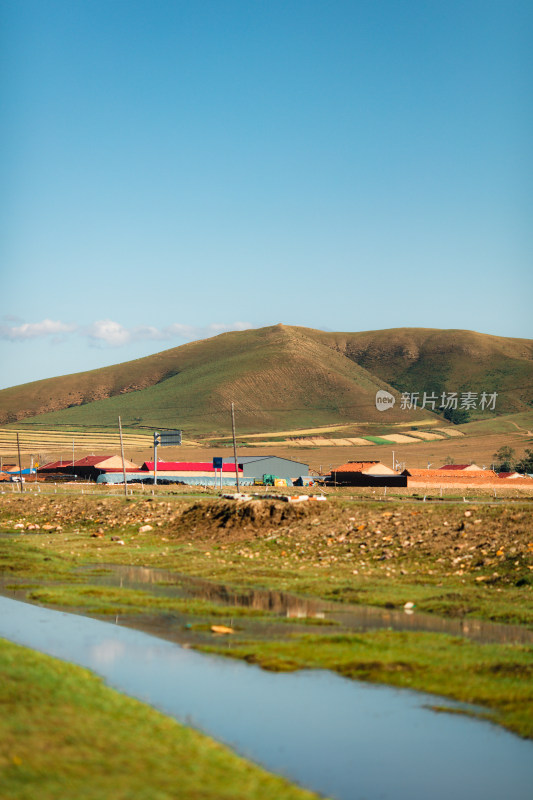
{"x": 171, "y": 170}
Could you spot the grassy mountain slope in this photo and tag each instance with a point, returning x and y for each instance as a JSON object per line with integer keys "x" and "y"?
{"x": 275, "y": 376}
{"x": 280, "y": 377}
{"x": 427, "y": 359}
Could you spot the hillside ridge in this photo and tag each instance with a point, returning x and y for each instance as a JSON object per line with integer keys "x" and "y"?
{"x": 284, "y": 375}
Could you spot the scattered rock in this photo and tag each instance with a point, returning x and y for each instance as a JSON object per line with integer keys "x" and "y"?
{"x": 221, "y": 629}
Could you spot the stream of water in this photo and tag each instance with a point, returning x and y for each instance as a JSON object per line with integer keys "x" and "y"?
{"x": 344, "y": 739}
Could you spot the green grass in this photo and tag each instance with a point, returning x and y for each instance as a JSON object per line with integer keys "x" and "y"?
{"x": 499, "y": 677}
{"x": 66, "y": 736}
{"x": 444, "y": 360}
{"x": 383, "y": 558}
{"x": 508, "y": 423}
{"x": 315, "y": 375}
{"x": 377, "y": 439}
{"x": 109, "y": 600}
{"x": 310, "y": 377}
{"x": 29, "y": 560}
{"x": 195, "y": 377}
{"x": 454, "y": 561}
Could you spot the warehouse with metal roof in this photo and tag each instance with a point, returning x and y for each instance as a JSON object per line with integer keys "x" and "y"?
{"x": 257, "y": 466}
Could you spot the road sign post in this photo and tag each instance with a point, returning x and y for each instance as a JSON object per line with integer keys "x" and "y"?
{"x": 164, "y": 439}
{"x": 217, "y": 464}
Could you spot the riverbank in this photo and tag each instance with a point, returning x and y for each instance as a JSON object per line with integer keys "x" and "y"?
{"x": 65, "y": 735}
{"x": 462, "y": 561}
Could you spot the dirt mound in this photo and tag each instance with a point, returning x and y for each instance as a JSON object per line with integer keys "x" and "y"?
{"x": 219, "y": 520}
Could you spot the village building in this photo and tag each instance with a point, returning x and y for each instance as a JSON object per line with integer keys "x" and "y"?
{"x": 191, "y": 472}
{"x": 54, "y": 467}
{"x": 458, "y": 476}
{"x": 249, "y": 469}
{"x": 88, "y": 467}
{"x": 257, "y": 467}
{"x": 366, "y": 473}
{"x": 435, "y": 478}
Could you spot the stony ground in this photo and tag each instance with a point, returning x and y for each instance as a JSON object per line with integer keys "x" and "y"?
{"x": 463, "y": 560}
{"x": 357, "y": 552}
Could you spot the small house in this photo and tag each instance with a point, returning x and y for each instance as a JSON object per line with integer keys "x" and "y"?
{"x": 366, "y": 473}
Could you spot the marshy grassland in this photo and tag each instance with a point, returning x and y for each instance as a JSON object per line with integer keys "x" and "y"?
{"x": 456, "y": 561}
{"x": 64, "y": 734}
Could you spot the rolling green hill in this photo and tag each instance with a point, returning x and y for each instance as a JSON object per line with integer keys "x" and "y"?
{"x": 427, "y": 359}
{"x": 280, "y": 377}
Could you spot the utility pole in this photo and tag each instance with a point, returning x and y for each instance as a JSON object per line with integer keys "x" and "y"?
{"x": 234, "y": 445}
{"x": 122, "y": 454}
{"x": 20, "y": 465}
{"x": 156, "y": 439}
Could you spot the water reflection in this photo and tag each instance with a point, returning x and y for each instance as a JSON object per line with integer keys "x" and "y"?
{"x": 339, "y": 737}
{"x": 351, "y": 617}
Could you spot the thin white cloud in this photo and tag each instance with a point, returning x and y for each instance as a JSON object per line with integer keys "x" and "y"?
{"x": 106, "y": 331}
{"x": 34, "y": 330}
{"x": 109, "y": 333}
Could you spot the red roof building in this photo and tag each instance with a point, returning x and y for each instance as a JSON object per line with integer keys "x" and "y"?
{"x": 55, "y": 466}
{"x": 186, "y": 468}
{"x": 89, "y": 466}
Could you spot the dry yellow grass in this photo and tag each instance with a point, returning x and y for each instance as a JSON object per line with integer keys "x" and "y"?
{"x": 50, "y": 444}
{"x": 319, "y": 452}
{"x": 300, "y": 432}
{"x": 449, "y": 431}
{"x": 478, "y": 449}
{"x": 425, "y": 435}
{"x": 399, "y": 438}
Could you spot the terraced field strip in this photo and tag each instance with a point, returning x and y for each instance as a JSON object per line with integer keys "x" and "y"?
{"x": 301, "y": 432}
{"x": 410, "y": 437}
{"x": 425, "y": 435}
{"x": 399, "y": 438}
{"x": 32, "y": 441}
